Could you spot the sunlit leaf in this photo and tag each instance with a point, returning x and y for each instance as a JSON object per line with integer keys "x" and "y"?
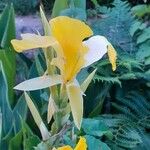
{"x": 37, "y": 117}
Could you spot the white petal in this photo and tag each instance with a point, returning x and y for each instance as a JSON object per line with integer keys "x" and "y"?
{"x": 97, "y": 49}
{"x": 39, "y": 83}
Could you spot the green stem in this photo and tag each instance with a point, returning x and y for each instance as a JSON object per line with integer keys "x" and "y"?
{"x": 51, "y": 70}
{"x": 63, "y": 111}
{"x": 60, "y": 98}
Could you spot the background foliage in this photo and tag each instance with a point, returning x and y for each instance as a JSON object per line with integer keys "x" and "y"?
{"x": 117, "y": 104}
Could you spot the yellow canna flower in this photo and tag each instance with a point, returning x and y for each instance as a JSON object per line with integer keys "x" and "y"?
{"x": 73, "y": 54}
{"x": 80, "y": 146}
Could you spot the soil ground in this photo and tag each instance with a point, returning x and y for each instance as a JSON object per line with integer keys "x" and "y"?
{"x": 28, "y": 24}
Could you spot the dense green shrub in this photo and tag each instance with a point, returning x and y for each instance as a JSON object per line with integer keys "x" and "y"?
{"x": 24, "y": 7}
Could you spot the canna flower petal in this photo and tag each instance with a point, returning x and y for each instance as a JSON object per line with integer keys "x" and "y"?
{"x": 70, "y": 33}
{"x": 30, "y": 41}
{"x": 112, "y": 55}
{"x": 39, "y": 83}
{"x": 98, "y": 46}
{"x": 81, "y": 144}
{"x": 65, "y": 148}
{"x": 97, "y": 49}
{"x": 76, "y": 102}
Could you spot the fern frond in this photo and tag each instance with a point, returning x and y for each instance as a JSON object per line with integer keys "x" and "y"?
{"x": 125, "y": 135}
{"x": 107, "y": 79}
{"x": 117, "y": 23}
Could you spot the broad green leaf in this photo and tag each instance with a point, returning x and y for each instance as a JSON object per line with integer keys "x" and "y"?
{"x": 7, "y": 27}
{"x": 76, "y": 102}
{"x": 143, "y": 51}
{"x": 95, "y": 3}
{"x": 136, "y": 27}
{"x": 16, "y": 141}
{"x": 77, "y": 13}
{"x": 3, "y": 21}
{"x": 39, "y": 64}
{"x": 19, "y": 112}
{"x": 144, "y": 36}
{"x": 87, "y": 81}
{"x": 80, "y": 4}
{"x": 59, "y": 5}
{"x": 37, "y": 117}
{"x": 42, "y": 146}
{"x": 97, "y": 109}
{"x": 24, "y": 139}
{"x": 9, "y": 32}
{"x": 95, "y": 144}
{"x": 141, "y": 10}
{"x": 0, "y": 126}
{"x": 7, "y": 78}
{"x": 147, "y": 61}
{"x": 96, "y": 128}
{"x": 39, "y": 83}
{"x": 45, "y": 23}
{"x": 31, "y": 142}
{"x": 8, "y": 68}
{"x": 7, "y": 72}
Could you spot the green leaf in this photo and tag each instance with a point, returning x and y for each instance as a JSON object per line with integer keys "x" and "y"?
{"x": 97, "y": 109}
{"x": 7, "y": 79}
{"x": 31, "y": 142}
{"x": 29, "y": 139}
{"x": 24, "y": 138}
{"x": 3, "y": 21}
{"x": 77, "y": 13}
{"x": 19, "y": 111}
{"x": 95, "y": 144}
{"x": 141, "y": 10}
{"x": 125, "y": 134}
{"x": 8, "y": 68}
{"x": 108, "y": 79}
{"x": 7, "y": 72}
{"x": 96, "y": 128}
{"x": 145, "y": 35}
{"x": 143, "y": 51}
{"x": 7, "y": 27}
{"x": 136, "y": 27}
{"x": 59, "y": 5}
{"x": 80, "y": 4}
{"x": 16, "y": 141}
{"x": 42, "y": 146}
{"x": 45, "y": 23}
{"x": 0, "y": 126}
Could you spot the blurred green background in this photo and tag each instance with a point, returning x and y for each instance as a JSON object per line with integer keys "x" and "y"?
{"x": 24, "y": 7}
